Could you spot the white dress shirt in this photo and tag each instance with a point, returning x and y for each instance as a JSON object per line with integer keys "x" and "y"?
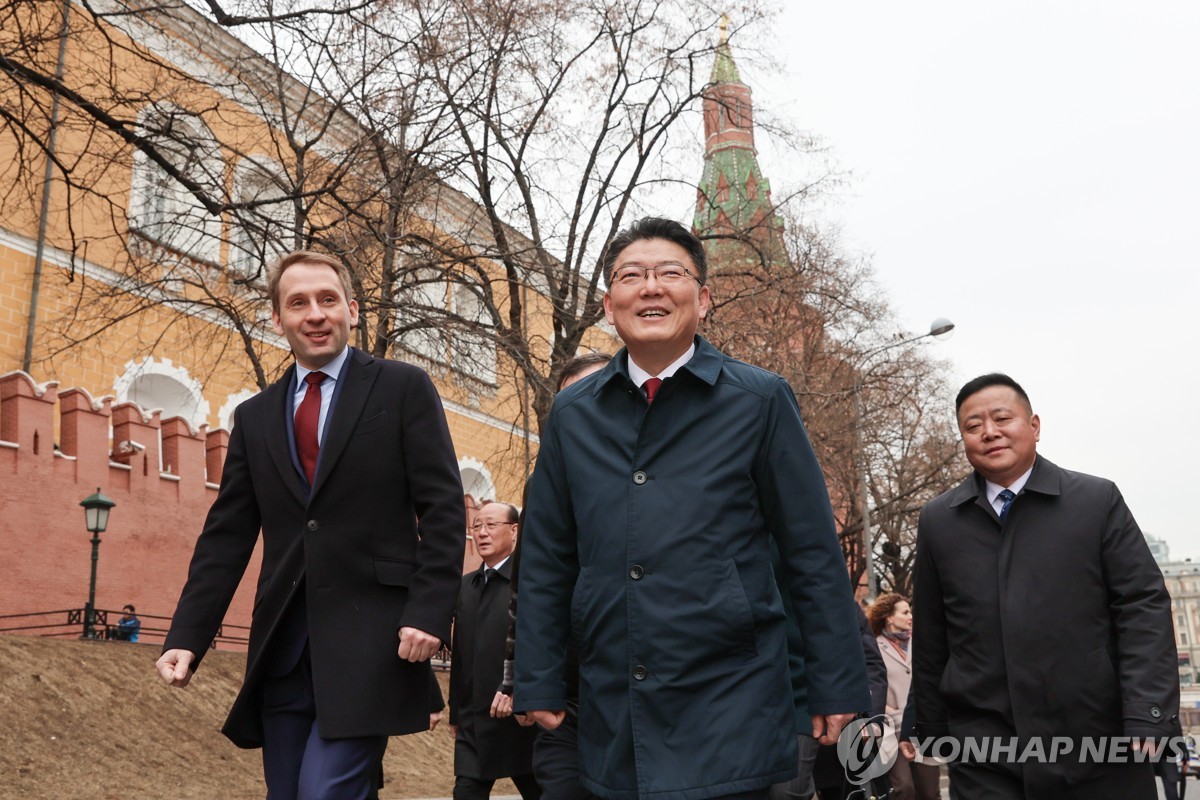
{"x": 639, "y": 376}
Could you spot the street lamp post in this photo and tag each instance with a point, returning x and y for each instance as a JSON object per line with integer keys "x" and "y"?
{"x": 95, "y": 512}
{"x": 940, "y": 328}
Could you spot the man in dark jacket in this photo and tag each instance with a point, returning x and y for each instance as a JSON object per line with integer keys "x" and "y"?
{"x": 1040, "y": 613}
{"x": 659, "y": 484}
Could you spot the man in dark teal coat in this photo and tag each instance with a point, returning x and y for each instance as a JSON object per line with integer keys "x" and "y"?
{"x": 659, "y": 484}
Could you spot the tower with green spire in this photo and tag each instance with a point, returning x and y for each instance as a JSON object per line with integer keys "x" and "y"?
{"x": 734, "y": 212}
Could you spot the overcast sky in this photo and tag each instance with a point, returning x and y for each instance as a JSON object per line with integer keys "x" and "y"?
{"x": 1029, "y": 170}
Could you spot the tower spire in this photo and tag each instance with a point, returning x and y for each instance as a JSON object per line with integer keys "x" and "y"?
{"x": 724, "y": 69}
{"x": 734, "y": 199}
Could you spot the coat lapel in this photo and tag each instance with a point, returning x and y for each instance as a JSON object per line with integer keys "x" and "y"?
{"x": 276, "y": 430}
{"x": 972, "y": 489}
{"x": 361, "y": 371}
{"x": 889, "y": 651}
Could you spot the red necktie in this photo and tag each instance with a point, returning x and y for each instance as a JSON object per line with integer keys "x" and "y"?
{"x": 307, "y": 417}
{"x": 650, "y": 387}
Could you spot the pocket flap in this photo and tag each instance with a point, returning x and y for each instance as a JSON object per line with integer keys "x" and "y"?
{"x": 371, "y": 424}
{"x": 390, "y": 572}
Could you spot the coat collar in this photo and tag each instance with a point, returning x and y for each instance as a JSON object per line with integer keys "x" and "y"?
{"x": 504, "y": 571}
{"x": 888, "y": 650}
{"x": 1046, "y": 478}
{"x": 705, "y": 364}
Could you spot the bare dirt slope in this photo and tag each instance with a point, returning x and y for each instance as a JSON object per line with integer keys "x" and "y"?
{"x": 90, "y": 721}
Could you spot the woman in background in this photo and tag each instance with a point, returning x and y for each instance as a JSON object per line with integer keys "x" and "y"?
{"x": 891, "y": 620}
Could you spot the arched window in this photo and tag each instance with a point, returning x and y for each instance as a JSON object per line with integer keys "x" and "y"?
{"x": 161, "y": 209}
{"x": 263, "y": 219}
{"x": 160, "y": 384}
{"x": 225, "y": 414}
{"x": 476, "y": 479}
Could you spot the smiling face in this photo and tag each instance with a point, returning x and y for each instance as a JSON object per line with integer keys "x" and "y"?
{"x": 313, "y": 313}
{"x": 656, "y": 321}
{"x": 1000, "y": 433}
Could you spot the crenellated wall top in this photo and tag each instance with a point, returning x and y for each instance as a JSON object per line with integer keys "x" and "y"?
{"x": 43, "y": 424}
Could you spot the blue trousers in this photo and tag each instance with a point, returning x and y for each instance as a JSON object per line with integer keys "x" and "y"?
{"x": 300, "y": 765}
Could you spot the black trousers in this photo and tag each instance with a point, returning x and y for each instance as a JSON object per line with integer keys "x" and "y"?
{"x": 481, "y": 788}
{"x": 556, "y": 760}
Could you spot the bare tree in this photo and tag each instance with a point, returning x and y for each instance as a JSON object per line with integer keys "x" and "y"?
{"x": 875, "y": 406}
{"x": 466, "y": 158}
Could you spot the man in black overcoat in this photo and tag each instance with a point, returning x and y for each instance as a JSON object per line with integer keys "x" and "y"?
{"x": 335, "y": 463}
{"x": 1040, "y": 617}
{"x": 489, "y": 741}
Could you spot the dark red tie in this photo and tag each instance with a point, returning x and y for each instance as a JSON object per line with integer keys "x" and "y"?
{"x": 307, "y": 418}
{"x": 650, "y": 387}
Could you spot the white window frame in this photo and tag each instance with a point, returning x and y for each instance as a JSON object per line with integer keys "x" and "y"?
{"x": 422, "y": 299}
{"x": 474, "y": 349}
{"x": 161, "y": 210}
{"x": 259, "y": 235}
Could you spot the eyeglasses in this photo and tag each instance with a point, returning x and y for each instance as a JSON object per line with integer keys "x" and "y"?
{"x": 491, "y": 526}
{"x": 636, "y": 274}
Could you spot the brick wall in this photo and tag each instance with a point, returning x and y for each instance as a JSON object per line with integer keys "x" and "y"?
{"x": 46, "y": 552}
{"x": 58, "y": 447}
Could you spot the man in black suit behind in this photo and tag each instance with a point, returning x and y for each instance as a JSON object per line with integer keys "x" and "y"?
{"x": 335, "y": 463}
{"x": 489, "y": 743}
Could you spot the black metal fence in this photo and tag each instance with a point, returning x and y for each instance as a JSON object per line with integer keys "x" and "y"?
{"x": 72, "y": 623}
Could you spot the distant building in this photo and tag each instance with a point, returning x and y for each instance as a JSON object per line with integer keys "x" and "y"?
{"x": 1183, "y": 584}
{"x": 744, "y": 239}
{"x": 1159, "y": 549}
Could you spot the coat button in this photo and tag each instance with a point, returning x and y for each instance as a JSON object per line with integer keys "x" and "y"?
{"x": 636, "y": 572}
{"x": 639, "y": 477}
{"x": 1155, "y": 712}
{"x": 639, "y": 673}
{"x": 312, "y": 525}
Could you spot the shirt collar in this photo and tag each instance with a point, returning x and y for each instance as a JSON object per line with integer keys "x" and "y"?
{"x": 639, "y": 376}
{"x": 994, "y": 489}
{"x": 499, "y": 564}
{"x": 331, "y": 370}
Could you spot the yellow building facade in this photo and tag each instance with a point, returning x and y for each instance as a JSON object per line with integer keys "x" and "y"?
{"x": 116, "y": 279}
{"x": 135, "y": 223}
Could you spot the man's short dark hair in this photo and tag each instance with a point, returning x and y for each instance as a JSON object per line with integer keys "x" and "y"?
{"x": 513, "y": 513}
{"x": 580, "y": 363}
{"x": 131, "y": 609}
{"x": 983, "y": 382}
{"x": 658, "y": 228}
